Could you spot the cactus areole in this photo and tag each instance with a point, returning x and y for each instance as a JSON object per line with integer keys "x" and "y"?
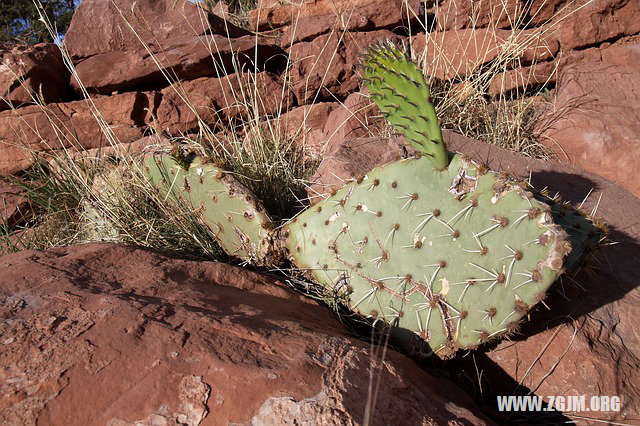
{"x": 441, "y": 248}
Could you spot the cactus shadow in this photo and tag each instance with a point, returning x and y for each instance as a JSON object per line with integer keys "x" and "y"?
{"x": 492, "y": 381}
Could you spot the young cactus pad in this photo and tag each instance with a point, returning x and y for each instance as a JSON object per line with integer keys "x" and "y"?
{"x": 230, "y": 211}
{"x": 457, "y": 256}
{"x": 399, "y": 89}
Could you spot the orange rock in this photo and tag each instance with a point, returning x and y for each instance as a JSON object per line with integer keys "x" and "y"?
{"x": 594, "y": 121}
{"x": 32, "y": 71}
{"x": 107, "y": 334}
{"x": 226, "y": 98}
{"x": 326, "y": 68}
{"x": 70, "y": 124}
{"x": 99, "y": 27}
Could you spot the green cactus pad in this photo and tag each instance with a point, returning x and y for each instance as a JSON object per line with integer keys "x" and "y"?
{"x": 399, "y": 89}
{"x": 230, "y": 211}
{"x": 457, "y": 256}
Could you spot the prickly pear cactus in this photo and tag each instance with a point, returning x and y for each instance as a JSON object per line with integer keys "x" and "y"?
{"x": 399, "y": 90}
{"x": 436, "y": 245}
{"x": 457, "y": 256}
{"x": 234, "y": 216}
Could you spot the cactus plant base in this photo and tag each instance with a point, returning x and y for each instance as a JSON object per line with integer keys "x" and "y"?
{"x": 457, "y": 256}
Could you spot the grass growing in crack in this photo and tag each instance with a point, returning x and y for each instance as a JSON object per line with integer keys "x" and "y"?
{"x": 75, "y": 204}
{"x": 273, "y": 168}
{"x": 511, "y": 123}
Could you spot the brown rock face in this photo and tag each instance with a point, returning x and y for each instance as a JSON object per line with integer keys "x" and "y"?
{"x": 305, "y": 124}
{"x": 113, "y": 335}
{"x": 326, "y": 68}
{"x": 460, "y": 52}
{"x": 27, "y": 71}
{"x": 322, "y": 16}
{"x": 315, "y": 17}
{"x": 598, "y": 21}
{"x": 458, "y": 14}
{"x": 106, "y": 26}
{"x": 15, "y": 208}
{"x": 183, "y": 41}
{"x": 70, "y": 124}
{"x": 356, "y": 117}
{"x": 595, "y": 119}
{"x": 226, "y": 98}
{"x": 588, "y": 342}
{"x": 188, "y": 57}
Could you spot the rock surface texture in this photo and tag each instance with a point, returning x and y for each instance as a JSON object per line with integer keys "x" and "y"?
{"x": 29, "y": 72}
{"x": 104, "y": 334}
{"x": 595, "y": 118}
{"x": 72, "y": 124}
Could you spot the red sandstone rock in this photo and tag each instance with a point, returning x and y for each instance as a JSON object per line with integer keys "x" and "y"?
{"x": 32, "y": 71}
{"x": 521, "y": 79}
{"x": 15, "y": 208}
{"x": 594, "y": 121}
{"x": 106, "y": 334}
{"x": 304, "y": 126}
{"x": 306, "y": 19}
{"x": 70, "y": 124}
{"x": 187, "y": 57}
{"x": 356, "y": 117}
{"x": 105, "y": 26}
{"x": 227, "y": 98}
{"x": 598, "y": 21}
{"x": 573, "y": 24}
{"x": 322, "y": 16}
{"x": 172, "y": 40}
{"x": 458, "y": 14}
{"x": 326, "y": 68}
{"x": 455, "y": 52}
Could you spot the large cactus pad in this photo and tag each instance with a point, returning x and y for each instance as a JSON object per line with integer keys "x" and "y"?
{"x": 457, "y": 256}
{"x": 230, "y": 211}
